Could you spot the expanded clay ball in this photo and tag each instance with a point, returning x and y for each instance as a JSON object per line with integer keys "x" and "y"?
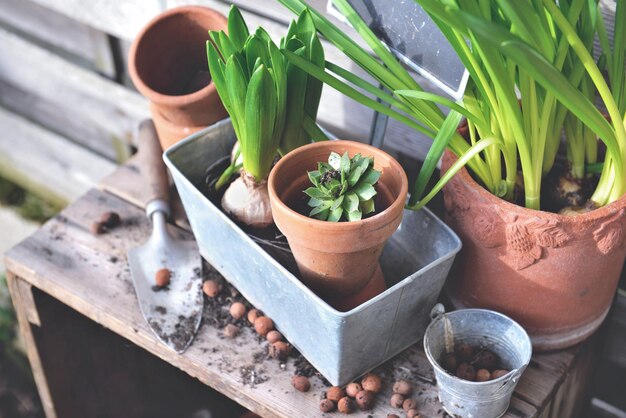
{"x": 364, "y": 400}
{"x": 335, "y": 393}
{"x": 253, "y": 314}
{"x": 231, "y": 331}
{"x": 403, "y": 387}
{"x": 397, "y": 400}
{"x": 450, "y": 362}
{"x": 353, "y": 388}
{"x": 274, "y": 336}
{"x": 482, "y": 375}
{"x": 412, "y": 413}
{"x": 326, "y": 405}
{"x": 345, "y": 405}
{"x": 464, "y": 352}
{"x": 371, "y": 382}
{"x": 280, "y": 350}
{"x": 301, "y": 383}
{"x": 237, "y": 310}
{"x": 498, "y": 373}
{"x": 211, "y": 288}
{"x": 110, "y": 219}
{"x": 466, "y": 372}
{"x": 486, "y": 359}
{"x": 162, "y": 277}
{"x": 97, "y": 228}
{"x": 409, "y": 404}
{"x": 263, "y": 325}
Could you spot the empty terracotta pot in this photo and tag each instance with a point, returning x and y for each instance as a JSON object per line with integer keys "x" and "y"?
{"x": 556, "y": 275}
{"x": 168, "y": 65}
{"x": 337, "y": 260}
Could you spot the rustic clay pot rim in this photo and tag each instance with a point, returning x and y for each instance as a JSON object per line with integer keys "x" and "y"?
{"x": 316, "y": 223}
{"x": 598, "y": 213}
{"x": 148, "y": 92}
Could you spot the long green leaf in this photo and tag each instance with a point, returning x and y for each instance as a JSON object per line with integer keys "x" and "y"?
{"x": 260, "y": 112}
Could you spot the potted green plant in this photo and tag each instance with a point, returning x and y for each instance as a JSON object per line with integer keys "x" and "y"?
{"x": 272, "y": 104}
{"x": 337, "y": 215}
{"x": 532, "y": 77}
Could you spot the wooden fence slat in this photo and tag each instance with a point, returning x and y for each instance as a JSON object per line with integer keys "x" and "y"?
{"x": 59, "y": 31}
{"x": 46, "y": 163}
{"x": 73, "y": 101}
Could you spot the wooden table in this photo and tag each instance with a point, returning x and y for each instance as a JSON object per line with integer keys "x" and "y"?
{"x": 74, "y": 299}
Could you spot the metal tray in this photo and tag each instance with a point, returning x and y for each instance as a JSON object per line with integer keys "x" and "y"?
{"x": 341, "y": 345}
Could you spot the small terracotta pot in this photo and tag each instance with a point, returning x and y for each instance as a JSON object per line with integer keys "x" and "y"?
{"x": 337, "y": 260}
{"x": 168, "y": 65}
{"x": 556, "y": 275}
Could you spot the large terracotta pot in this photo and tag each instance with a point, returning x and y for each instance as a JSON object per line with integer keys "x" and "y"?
{"x": 168, "y": 65}
{"x": 554, "y": 274}
{"x": 337, "y": 260}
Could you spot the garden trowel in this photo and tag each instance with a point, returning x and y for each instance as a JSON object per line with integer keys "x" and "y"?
{"x": 173, "y": 311}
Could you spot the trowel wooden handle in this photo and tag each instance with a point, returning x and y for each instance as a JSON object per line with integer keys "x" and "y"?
{"x": 152, "y": 165}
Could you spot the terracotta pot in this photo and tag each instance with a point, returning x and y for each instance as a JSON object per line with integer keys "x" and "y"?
{"x": 556, "y": 275}
{"x": 169, "y": 133}
{"x": 168, "y": 65}
{"x": 337, "y": 260}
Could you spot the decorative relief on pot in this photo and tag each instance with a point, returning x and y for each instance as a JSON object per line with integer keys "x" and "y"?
{"x": 610, "y": 235}
{"x": 527, "y": 239}
{"x": 488, "y": 230}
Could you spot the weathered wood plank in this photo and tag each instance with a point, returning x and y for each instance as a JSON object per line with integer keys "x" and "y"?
{"x": 122, "y": 18}
{"x": 46, "y": 163}
{"x": 60, "y": 32}
{"x": 21, "y": 307}
{"x": 616, "y": 331}
{"x": 73, "y": 101}
{"x": 90, "y": 274}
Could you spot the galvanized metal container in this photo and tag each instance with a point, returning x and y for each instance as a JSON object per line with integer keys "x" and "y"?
{"x": 477, "y": 327}
{"x": 341, "y": 345}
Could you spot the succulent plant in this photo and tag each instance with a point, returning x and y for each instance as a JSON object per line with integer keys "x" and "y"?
{"x": 343, "y": 188}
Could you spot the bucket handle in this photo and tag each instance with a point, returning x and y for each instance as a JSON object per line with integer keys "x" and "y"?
{"x": 437, "y": 313}
{"x": 517, "y": 373}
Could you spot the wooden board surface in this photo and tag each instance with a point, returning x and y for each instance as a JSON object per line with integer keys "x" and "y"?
{"x": 62, "y": 34}
{"x": 75, "y": 102}
{"x": 89, "y": 273}
{"x": 46, "y": 163}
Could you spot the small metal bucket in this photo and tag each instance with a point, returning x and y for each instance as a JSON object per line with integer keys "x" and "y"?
{"x": 478, "y": 327}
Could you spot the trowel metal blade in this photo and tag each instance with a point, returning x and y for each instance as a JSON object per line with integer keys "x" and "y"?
{"x": 175, "y": 311}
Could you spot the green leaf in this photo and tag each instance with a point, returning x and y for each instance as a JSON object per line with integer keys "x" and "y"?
{"x": 335, "y": 214}
{"x": 354, "y": 216}
{"x": 365, "y": 191}
{"x": 313, "y": 202}
{"x": 434, "y": 154}
{"x": 315, "y": 193}
{"x": 314, "y": 177}
{"x": 237, "y": 28}
{"x": 345, "y": 163}
{"x": 351, "y": 202}
{"x": 260, "y": 114}
{"x": 320, "y": 208}
{"x": 337, "y": 203}
{"x": 367, "y": 206}
{"x": 371, "y": 176}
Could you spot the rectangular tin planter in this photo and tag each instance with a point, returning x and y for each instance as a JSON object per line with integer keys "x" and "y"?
{"x": 341, "y": 345}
